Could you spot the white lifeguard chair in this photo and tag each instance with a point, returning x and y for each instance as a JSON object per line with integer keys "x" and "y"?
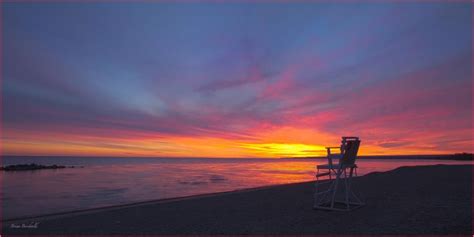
{"x": 339, "y": 178}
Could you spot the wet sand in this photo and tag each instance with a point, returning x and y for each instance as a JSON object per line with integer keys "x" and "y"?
{"x": 408, "y": 200}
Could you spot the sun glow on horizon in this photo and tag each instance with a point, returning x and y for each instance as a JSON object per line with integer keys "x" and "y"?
{"x": 271, "y": 144}
{"x": 286, "y": 150}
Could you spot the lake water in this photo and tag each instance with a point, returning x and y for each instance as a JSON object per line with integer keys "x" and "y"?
{"x": 113, "y": 181}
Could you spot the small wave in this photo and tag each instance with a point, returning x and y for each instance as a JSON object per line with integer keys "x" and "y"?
{"x": 192, "y": 182}
{"x": 217, "y": 178}
{"x": 111, "y": 191}
{"x": 286, "y": 171}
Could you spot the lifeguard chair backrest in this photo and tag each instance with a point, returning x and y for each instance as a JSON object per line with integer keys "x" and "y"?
{"x": 350, "y": 153}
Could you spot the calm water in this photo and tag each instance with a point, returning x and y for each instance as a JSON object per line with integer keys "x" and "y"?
{"x": 112, "y": 181}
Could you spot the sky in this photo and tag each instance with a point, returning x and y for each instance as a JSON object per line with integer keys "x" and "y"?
{"x": 235, "y": 79}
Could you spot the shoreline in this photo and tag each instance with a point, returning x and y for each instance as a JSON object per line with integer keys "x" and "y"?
{"x": 434, "y": 199}
{"x": 156, "y": 201}
{"x": 142, "y": 203}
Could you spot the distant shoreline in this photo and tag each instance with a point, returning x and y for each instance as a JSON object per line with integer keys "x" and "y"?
{"x": 461, "y": 156}
{"x": 457, "y": 156}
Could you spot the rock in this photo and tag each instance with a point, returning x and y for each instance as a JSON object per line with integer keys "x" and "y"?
{"x": 31, "y": 166}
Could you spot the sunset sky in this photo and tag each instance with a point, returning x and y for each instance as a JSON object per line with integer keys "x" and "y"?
{"x": 235, "y": 79}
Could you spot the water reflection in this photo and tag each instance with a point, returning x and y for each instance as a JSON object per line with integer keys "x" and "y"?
{"x": 51, "y": 191}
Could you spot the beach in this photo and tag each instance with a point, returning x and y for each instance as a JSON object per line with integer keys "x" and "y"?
{"x": 433, "y": 199}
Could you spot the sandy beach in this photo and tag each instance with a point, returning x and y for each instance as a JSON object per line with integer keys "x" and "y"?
{"x": 408, "y": 200}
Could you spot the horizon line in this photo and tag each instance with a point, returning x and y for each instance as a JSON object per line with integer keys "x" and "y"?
{"x": 195, "y": 157}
